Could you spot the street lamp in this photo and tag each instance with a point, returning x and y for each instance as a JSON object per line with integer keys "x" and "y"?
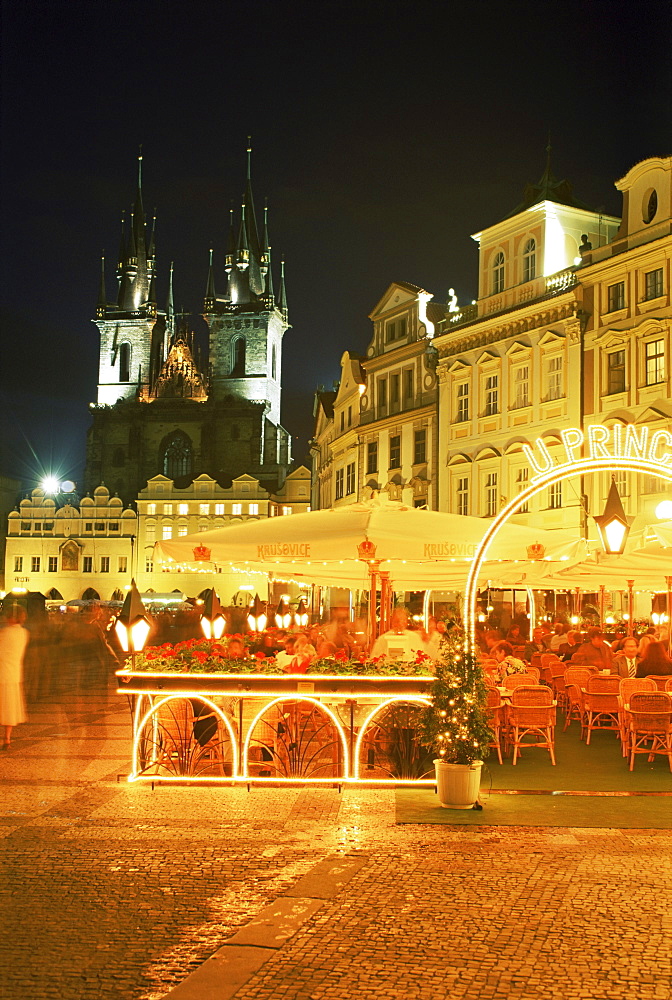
{"x": 213, "y": 621}
{"x": 257, "y": 618}
{"x": 301, "y": 613}
{"x": 283, "y": 616}
{"x": 613, "y": 525}
{"x": 133, "y": 624}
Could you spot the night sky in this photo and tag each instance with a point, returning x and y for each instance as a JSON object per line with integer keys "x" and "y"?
{"x": 383, "y": 134}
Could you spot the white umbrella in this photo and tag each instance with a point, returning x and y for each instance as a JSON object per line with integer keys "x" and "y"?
{"x": 420, "y": 549}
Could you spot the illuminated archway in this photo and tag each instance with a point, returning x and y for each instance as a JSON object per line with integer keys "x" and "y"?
{"x": 321, "y": 707}
{"x": 378, "y": 710}
{"x": 542, "y": 481}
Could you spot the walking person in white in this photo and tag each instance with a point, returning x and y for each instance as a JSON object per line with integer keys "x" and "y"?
{"x": 13, "y": 642}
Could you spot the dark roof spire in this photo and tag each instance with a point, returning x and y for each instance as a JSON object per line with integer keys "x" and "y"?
{"x": 243, "y": 245}
{"x": 122, "y": 246}
{"x": 269, "y": 293}
{"x": 231, "y": 250}
{"x": 210, "y": 287}
{"x": 151, "y": 253}
{"x": 170, "y": 304}
{"x": 548, "y": 188}
{"x": 102, "y": 294}
{"x": 282, "y": 299}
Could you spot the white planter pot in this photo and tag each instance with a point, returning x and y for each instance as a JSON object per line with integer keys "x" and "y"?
{"x": 458, "y": 784}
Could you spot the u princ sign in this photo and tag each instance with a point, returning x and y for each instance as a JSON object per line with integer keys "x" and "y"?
{"x": 596, "y": 441}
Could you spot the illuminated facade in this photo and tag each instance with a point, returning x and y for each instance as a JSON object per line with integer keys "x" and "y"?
{"x": 162, "y": 408}
{"x": 571, "y": 327}
{"x": 378, "y": 431}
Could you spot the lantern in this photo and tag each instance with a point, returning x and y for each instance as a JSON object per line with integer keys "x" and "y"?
{"x": 133, "y": 624}
{"x": 283, "y": 616}
{"x": 613, "y": 525}
{"x": 213, "y": 621}
{"x": 301, "y": 613}
{"x": 257, "y": 617}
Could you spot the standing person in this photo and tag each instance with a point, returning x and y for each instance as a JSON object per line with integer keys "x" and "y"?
{"x": 626, "y": 662}
{"x": 13, "y": 642}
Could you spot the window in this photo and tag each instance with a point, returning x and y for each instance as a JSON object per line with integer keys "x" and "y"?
{"x": 99, "y": 526}
{"x": 491, "y": 395}
{"x": 87, "y": 564}
{"x": 122, "y": 565}
{"x": 371, "y": 457}
{"x": 238, "y": 357}
{"x": 113, "y": 526}
{"x": 104, "y": 564}
{"x": 48, "y": 525}
{"x": 125, "y": 363}
{"x": 394, "y": 389}
{"x": 616, "y": 296}
{"x": 522, "y": 479}
{"x": 37, "y": 526}
{"x": 653, "y": 284}
{"x": 395, "y": 452}
{"x": 236, "y": 509}
{"x": 219, "y": 509}
{"x": 35, "y": 564}
{"x": 616, "y": 371}
{"x": 349, "y": 416}
{"x": 529, "y": 260}
{"x": 462, "y": 402}
{"x": 491, "y": 494}
{"x": 149, "y": 565}
{"x": 463, "y": 495}
{"x": 53, "y": 564}
{"x": 390, "y": 332}
{"x": 203, "y": 508}
{"x": 287, "y": 510}
{"x": 382, "y": 394}
{"x": 408, "y": 384}
{"x": 150, "y": 533}
{"x": 274, "y": 362}
{"x": 339, "y": 484}
{"x": 151, "y": 509}
{"x": 25, "y": 526}
{"x": 178, "y": 456}
{"x": 555, "y": 378}
{"x": 350, "y": 479}
{"x": 420, "y": 447}
{"x": 183, "y": 509}
{"x": 555, "y": 496}
{"x": 182, "y": 530}
{"x": 498, "y": 273}
{"x": 522, "y": 384}
{"x": 620, "y": 478}
{"x": 654, "y": 353}
{"x": 167, "y": 508}
{"x": 167, "y": 531}
{"x": 18, "y": 564}
{"x": 342, "y": 420}
{"x": 253, "y": 508}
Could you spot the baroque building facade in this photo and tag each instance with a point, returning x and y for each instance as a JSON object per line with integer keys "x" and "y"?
{"x": 571, "y": 327}
{"x": 377, "y": 432}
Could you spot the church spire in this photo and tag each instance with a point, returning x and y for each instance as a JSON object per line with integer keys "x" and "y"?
{"x": 243, "y": 255}
{"x": 102, "y": 294}
{"x": 231, "y": 250}
{"x": 210, "y": 288}
{"x": 170, "y": 304}
{"x": 282, "y": 299}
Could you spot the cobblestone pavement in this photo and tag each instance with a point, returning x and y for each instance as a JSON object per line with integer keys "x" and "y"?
{"x": 111, "y": 890}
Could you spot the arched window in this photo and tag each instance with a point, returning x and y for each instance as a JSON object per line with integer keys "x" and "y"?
{"x": 178, "y": 456}
{"x": 238, "y": 357}
{"x": 125, "y": 363}
{"x": 274, "y": 362}
{"x": 90, "y": 595}
{"x": 530, "y": 260}
{"x": 498, "y": 273}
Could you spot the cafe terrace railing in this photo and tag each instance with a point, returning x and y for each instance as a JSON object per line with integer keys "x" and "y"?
{"x": 248, "y": 723}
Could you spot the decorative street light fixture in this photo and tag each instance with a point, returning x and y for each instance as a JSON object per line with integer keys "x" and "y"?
{"x": 257, "y": 617}
{"x": 283, "y": 616}
{"x": 213, "y": 621}
{"x": 301, "y": 613}
{"x": 613, "y": 526}
{"x": 133, "y": 624}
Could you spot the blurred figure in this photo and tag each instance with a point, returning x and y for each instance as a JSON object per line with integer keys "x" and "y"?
{"x": 594, "y": 651}
{"x": 535, "y": 645}
{"x": 399, "y": 642}
{"x": 13, "y": 642}
{"x": 654, "y": 661}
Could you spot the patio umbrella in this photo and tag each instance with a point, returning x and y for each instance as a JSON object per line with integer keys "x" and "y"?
{"x": 420, "y": 549}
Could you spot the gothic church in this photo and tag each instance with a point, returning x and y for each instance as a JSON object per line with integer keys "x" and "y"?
{"x": 164, "y": 410}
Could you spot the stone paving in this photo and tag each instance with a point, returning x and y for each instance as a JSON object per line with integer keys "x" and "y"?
{"x": 111, "y": 890}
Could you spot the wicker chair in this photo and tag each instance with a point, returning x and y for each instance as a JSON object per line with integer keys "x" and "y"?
{"x": 651, "y": 725}
{"x": 627, "y": 687}
{"x": 494, "y": 709}
{"x": 535, "y": 671}
{"x": 512, "y": 681}
{"x": 576, "y": 679}
{"x": 668, "y": 684}
{"x": 601, "y": 703}
{"x": 532, "y": 715}
{"x": 660, "y": 680}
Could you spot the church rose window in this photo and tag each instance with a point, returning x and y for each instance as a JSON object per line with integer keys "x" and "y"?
{"x": 178, "y": 457}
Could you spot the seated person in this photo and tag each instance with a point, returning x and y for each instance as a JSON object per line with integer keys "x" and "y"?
{"x": 535, "y": 645}
{"x": 399, "y": 642}
{"x": 594, "y": 651}
{"x": 507, "y": 663}
{"x": 655, "y": 661}
{"x": 626, "y": 662}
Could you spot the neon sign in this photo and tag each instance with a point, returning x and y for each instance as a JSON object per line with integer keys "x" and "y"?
{"x": 599, "y": 442}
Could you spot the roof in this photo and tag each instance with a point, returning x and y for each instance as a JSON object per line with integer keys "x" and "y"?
{"x": 548, "y": 188}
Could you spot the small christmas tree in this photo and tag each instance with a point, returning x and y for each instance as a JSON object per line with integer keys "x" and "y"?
{"x": 455, "y": 726}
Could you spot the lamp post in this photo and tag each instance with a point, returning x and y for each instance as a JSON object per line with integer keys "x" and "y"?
{"x": 613, "y": 526}
{"x": 257, "y": 616}
{"x": 133, "y": 624}
{"x": 213, "y": 621}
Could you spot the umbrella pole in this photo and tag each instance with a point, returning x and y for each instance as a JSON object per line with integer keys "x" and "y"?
{"x": 602, "y": 590}
{"x": 385, "y": 598}
{"x": 668, "y": 584}
{"x": 631, "y": 606}
{"x": 373, "y": 588}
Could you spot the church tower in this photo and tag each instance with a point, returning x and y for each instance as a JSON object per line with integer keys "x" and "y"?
{"x": 163, "y": 411}
{"x": 131, "y": 333}
{"x": 248, "y": 322}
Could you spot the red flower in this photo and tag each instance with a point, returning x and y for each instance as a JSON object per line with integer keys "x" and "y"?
{"x": 260, "y": 656}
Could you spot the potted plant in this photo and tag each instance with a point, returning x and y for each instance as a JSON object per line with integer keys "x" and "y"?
{"x": 455, "y": 725}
